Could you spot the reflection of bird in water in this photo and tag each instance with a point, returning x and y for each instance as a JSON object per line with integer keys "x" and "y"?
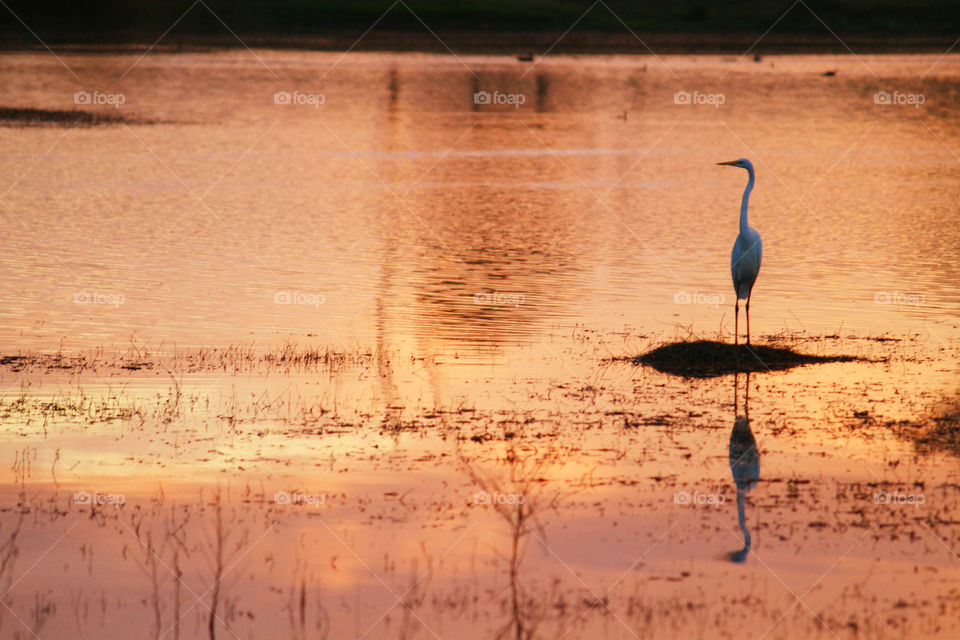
{"x": 744, "y": 464}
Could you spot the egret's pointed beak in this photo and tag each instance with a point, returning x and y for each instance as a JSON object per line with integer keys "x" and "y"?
{"x": 732, "y": 163}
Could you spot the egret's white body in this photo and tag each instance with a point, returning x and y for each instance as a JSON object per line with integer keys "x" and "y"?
{"x": 746, "y": 255}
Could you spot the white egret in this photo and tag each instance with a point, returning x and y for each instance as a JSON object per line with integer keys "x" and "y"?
{"x": 746, "y": 255}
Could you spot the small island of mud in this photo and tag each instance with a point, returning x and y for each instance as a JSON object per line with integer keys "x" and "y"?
{"x": 707, "y": 359}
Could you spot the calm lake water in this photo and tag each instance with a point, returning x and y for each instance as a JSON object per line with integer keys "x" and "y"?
{"x": 400, "y": 211}
{"x": 473, "y": 239}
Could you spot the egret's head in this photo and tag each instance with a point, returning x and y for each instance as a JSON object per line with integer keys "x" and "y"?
{"x": 743, "y": 163}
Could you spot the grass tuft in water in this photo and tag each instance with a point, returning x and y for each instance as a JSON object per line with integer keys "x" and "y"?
{"x": 939, "y": 431}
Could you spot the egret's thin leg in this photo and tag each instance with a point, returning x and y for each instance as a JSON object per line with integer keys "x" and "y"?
{"x": 736, "y": 319}
{"x": 748, "y": 317}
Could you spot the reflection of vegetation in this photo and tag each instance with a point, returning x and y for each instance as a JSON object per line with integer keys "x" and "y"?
{"x": 165, "y": 550}
{"x": 172, "y": 542}
{"x": 222, "y": 549}
{"x": 413, "y": 598}
{"x": 297, "y": 608}
{"x": 8, "y": 556}
{"x": 517, "y": 499}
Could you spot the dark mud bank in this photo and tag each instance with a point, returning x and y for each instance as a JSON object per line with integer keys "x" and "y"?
{"x": 707, "y": 359}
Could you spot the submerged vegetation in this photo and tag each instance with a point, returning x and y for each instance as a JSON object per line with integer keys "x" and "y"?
{"x": 233, "y": 359}
{"x": 944, "y": 428}
{"x": 937, "y": 431}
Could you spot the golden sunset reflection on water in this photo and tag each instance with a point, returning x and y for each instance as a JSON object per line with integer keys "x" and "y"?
{"x": 369, "y": 352}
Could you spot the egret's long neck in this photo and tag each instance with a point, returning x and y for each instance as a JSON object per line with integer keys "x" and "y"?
{"x": 743, "y": 206}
